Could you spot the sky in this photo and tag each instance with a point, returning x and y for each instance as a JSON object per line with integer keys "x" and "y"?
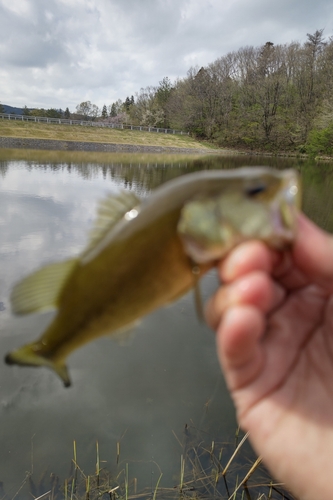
{"x": 59, "y": 53}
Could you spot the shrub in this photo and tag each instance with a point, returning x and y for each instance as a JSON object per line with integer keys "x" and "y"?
{"x": 320, "y": 142}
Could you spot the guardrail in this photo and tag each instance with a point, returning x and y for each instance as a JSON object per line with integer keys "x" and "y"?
{"x": 65, "y": 121}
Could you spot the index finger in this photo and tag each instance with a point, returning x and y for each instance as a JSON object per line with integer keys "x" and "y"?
{"x": 247, "y": 257}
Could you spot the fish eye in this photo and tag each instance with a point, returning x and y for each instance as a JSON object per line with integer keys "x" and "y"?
{"x": 254, "y": 190}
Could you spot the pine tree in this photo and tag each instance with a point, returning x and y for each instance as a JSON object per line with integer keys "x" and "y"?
{"x": 113, "y": 111}
{"x": 127, "y": 103}
{"x": 104, "y": 112}
{"x": 67, "y": 114}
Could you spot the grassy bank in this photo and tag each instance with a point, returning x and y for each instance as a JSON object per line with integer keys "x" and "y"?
{"x": 29, "y": 130}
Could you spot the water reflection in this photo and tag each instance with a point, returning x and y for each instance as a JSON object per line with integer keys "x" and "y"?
{"x": 166, "y": 377}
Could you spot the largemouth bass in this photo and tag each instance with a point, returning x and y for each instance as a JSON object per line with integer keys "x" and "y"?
{"x": 146, "y": 253}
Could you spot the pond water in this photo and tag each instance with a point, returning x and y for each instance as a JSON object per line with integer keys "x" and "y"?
{"x": 141, "y": 395}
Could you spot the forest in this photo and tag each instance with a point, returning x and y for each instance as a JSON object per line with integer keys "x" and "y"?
{"x": 267, "y": 98}
{"x": 273, "y": 97}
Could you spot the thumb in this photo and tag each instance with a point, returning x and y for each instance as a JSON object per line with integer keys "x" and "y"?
{"x": 313, "y": 252}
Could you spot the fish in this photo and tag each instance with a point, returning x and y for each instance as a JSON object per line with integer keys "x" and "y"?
{"x": 145, "y": 253}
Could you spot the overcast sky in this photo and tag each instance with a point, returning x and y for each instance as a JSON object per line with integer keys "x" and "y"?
{"x": 58, "y": 53}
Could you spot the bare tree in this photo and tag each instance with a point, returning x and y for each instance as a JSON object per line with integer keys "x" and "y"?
{"x": 88, "y": 110}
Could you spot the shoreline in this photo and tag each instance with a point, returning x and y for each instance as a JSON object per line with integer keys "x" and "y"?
{"x": 105, "y": 147}
{"x": 110, "y": 147}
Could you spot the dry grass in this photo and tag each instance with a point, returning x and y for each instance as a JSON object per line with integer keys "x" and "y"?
{"x": 95, "y": 134}
{"x": 224, "y": 471}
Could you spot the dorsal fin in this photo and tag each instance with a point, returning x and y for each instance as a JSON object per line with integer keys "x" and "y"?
{"x": 40, "y": 290}
{"x": 110, "y": 211}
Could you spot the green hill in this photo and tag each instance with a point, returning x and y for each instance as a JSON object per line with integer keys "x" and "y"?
{"x": 96, "y": 134}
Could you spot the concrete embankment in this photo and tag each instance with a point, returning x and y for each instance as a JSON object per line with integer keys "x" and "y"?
{"x": 49, "y": 144}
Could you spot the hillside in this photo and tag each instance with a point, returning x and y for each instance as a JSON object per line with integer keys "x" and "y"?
{"x": 12, "y": 110}
{"x": 96, "y": 134}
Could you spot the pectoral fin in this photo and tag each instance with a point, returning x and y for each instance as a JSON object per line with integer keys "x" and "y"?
{"x": 28, "y": 356}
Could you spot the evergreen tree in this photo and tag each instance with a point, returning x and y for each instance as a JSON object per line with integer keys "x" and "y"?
{"x": 53, "y": 113}
{"x": 163, "y": 91}
{"x": 127, "y": 103}
{"x": 67, "y": 114}
{"x": 2, "y": 109}
{"x": 104, "y": 112}
{"x": 113, "y": 111}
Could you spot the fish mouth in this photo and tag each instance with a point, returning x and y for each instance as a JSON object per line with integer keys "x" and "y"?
{"x": 284, "y": 211}
{"x": 282, "y": 235}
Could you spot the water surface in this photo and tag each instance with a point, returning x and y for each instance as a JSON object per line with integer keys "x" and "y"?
{"x": 143, "y": 393}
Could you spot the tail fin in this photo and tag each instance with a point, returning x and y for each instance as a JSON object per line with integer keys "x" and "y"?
{"x": 26, "y": 356}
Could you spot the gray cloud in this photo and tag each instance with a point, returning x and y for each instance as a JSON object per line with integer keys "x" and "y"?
{"x": 61, "y": 52}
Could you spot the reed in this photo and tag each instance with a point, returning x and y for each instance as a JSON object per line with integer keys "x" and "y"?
{"x": 215, "y": 470}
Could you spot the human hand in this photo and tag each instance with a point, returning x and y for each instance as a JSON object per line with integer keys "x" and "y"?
{"x": 274, "y": 331}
